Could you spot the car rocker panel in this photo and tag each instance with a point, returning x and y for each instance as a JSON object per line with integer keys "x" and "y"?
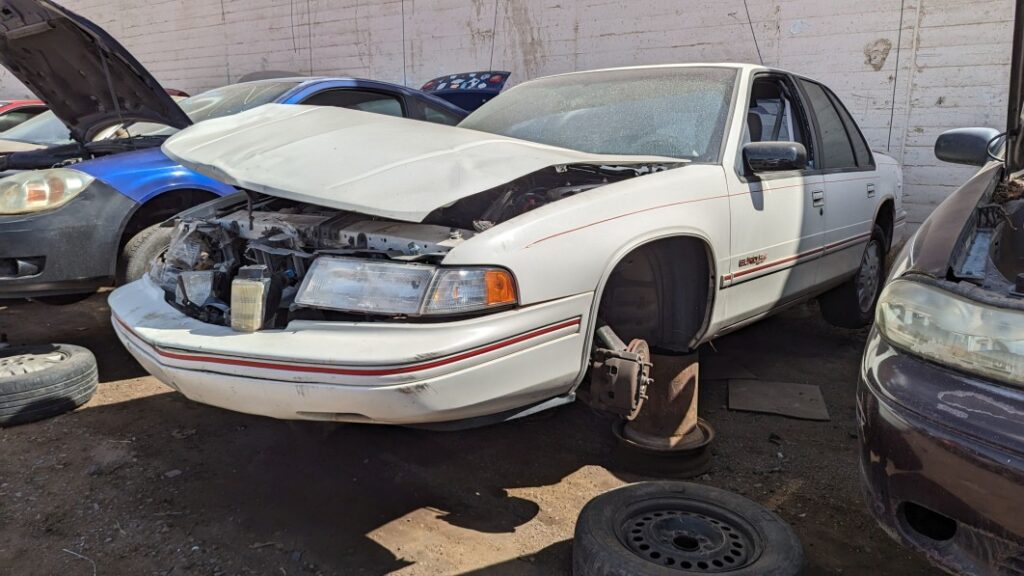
{"x": 430, "y": 274}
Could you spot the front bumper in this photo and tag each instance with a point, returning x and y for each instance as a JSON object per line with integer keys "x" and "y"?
{"x": 72, "y": 249}
{"x": 390, "y": 373}
{"x": 950, "y": 444}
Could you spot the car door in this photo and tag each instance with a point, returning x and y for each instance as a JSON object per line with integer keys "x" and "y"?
{"x": 851, "y": 182}
{"x": 776, "y": 220}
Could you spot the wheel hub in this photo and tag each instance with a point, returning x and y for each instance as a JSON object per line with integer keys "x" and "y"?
{"x": 690, "y": 536}
{"x": 868, "y": 277}
{"x": 20, "y": 364}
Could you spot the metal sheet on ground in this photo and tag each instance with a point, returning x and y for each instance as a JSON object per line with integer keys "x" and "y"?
{"x": 803, "y": 401}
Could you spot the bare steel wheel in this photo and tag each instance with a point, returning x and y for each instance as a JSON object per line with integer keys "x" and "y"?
{"x": 852, "y": 305}
{"x": 678, "y": 528}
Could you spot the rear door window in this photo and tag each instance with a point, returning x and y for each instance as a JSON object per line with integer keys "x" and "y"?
{"x": 860, "y": 145}
{"x": 837, "y": 150}
{"x": 376, "y": 102}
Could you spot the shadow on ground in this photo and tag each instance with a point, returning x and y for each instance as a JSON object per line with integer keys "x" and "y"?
{"x": 143, "y": 481}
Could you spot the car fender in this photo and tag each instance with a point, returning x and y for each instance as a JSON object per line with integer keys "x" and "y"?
{"x": 145, "y": 174}
{"x": 571, "y": 246}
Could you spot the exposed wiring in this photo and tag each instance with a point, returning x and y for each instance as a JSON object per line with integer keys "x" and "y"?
{"x": 752, "y": 35}
{"x": 895, "y": 77}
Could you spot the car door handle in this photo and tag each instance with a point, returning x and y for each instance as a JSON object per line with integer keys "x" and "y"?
{"x": 871, "y": 190}
{"x": 817, "y": 198}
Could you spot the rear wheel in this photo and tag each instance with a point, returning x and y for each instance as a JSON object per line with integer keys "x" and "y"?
{"x": 852, "y": 305}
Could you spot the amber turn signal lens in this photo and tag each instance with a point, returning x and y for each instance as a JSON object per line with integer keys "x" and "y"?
{"x": 500, "y": 287}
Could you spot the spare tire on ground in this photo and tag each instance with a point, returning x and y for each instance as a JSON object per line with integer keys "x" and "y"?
{"x": 680, "y": 528}
{"x": 37, "y": 382}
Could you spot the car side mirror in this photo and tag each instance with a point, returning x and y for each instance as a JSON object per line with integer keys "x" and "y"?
{"x": 971, "y": 146}
{"x": 774, "y": 156}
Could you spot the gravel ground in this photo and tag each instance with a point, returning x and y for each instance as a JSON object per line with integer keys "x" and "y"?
{"x": 143, "y": 481}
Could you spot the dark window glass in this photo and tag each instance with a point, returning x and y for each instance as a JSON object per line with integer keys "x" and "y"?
{"x": 15, "y": 117}
{"x": 860, "y": 146}
{"x": 836, "y": 149}
{"x": 439, "y": 115}
{"x": 357, "y": 100}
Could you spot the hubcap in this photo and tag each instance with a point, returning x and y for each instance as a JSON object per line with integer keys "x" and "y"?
{"x": 690, "y": 535}
{"x": 868, "y": 277}
{"x": 20, "y": 364}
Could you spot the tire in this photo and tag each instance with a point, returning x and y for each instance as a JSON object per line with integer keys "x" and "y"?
{"x": 852, "y": 305}
{"x": 37, "y": 382}
{"x": 140, "y": 251}
{"x": 679, "y": 528}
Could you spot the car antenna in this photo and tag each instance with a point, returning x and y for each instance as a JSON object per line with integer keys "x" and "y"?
{"x": 110, "y": 88}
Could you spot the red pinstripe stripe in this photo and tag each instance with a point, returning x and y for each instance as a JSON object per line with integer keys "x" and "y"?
{"x": 788, "y": 259}
{"x": 388, "y": 371}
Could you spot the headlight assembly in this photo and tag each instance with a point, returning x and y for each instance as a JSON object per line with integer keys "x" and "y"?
{"x": 37, "y": 190}
{"x": 406, "y": 289}
{"x": 953, "y": 331}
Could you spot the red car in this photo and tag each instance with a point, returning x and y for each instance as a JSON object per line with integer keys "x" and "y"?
{"x": 14, "y": 112}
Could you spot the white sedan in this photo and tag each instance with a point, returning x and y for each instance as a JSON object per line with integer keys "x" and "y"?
{"x": 379, "y": 269}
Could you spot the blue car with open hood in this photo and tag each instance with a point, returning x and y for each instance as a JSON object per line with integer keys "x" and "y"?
{"x": 78, "y": 217}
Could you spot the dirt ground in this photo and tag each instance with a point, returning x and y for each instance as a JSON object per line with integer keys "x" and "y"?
{"x": 143, "y": 481}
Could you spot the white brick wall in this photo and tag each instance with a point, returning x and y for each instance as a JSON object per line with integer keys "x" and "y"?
{"x": 953, "y": 56}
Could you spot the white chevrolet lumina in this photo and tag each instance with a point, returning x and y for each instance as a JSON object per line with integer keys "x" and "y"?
{"x": 379, "y": 269}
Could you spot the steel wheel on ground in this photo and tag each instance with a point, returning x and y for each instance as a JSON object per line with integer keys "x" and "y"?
{"x": 678, "y": 529}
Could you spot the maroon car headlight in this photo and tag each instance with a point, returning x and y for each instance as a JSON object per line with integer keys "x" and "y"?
{"x": 952, "y": 330}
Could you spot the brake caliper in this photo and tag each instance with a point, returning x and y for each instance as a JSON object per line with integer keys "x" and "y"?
{"x": 619, "y": 374}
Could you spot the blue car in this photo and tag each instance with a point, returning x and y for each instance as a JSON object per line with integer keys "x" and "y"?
{"x": 91, "y": 220}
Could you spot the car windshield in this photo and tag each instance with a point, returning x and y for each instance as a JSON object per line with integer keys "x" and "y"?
{"x": 678, "y": 112}
{"x": 45, "y": 129}
{"x": 219, "y": 102}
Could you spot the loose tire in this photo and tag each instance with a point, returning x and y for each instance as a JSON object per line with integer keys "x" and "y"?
{"x": 852, "y": 305}
{"x": 679, "y": 528}
{"x": 140, "y": 251}
{"x": 37, "y": 382}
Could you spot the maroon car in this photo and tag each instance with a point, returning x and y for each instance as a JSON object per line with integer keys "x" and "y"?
{"x": 941, "y": 394}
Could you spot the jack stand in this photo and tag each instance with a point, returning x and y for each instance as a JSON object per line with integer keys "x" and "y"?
{"x": 667, "y": 438}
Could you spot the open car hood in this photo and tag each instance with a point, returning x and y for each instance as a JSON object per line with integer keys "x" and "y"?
{"x": 87, "y": 78}
{"x": 1014, "y": 138}
{"x": 369, "y": 163}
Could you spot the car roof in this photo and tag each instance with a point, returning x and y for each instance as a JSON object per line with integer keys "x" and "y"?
{"x": 745, "y": 67}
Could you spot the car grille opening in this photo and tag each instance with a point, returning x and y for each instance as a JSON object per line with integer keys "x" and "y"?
{"x": 928, "y": 523}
